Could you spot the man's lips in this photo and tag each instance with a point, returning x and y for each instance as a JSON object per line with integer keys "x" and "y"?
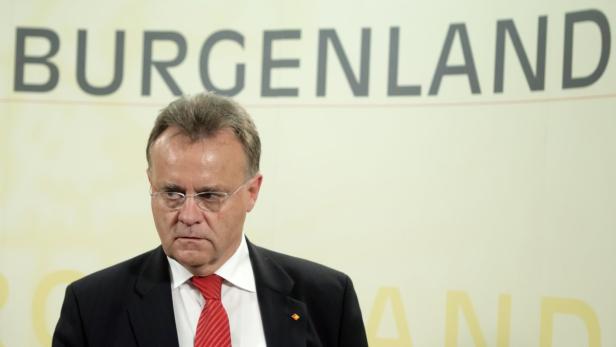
{"x": 189, "y": 238}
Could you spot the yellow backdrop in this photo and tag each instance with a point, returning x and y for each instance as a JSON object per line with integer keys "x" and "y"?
{"x": 456, "y": 158}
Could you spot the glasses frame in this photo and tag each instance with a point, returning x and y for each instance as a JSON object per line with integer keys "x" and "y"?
{"x": 184, "y": 197}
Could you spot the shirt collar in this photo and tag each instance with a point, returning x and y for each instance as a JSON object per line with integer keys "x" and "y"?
{"x": 236, "y": 271}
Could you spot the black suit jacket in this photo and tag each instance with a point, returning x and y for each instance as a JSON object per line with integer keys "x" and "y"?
{"x": 130, "y": 304}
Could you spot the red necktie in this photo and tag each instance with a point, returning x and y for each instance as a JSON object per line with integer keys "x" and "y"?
{"x": 213, "y": 325}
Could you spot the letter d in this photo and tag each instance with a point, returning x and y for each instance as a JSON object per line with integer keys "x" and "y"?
{"x": 551, "y": 306}
{"x": 603, "y": 25}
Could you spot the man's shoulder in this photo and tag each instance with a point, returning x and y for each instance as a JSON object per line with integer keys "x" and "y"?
{"x": 303, "y": 272}
{"x": 116, "y": 275}
{"x": 294, "y": 263}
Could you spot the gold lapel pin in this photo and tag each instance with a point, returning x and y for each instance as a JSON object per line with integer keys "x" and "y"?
{"x": 295, "y": 316}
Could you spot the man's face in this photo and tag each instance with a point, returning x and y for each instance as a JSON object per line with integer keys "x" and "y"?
{"x": 201, "y": 240}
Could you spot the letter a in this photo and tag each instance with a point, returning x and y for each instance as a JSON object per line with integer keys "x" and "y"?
{"x": 404, "y": 337}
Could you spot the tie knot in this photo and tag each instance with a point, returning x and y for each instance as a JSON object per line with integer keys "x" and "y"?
{"x": 209, "y": 286}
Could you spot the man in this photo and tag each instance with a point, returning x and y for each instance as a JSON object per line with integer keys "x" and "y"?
{"x": 207, "y": 285}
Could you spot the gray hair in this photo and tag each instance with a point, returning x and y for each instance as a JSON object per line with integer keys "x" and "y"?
{"x": 203, "y": 115}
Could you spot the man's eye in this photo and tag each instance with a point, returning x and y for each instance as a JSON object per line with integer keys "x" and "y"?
{"x": 173, "y": 195}
{"x": 210, "y": 196}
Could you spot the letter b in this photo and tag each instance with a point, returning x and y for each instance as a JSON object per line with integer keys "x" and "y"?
{"x": 21, "y": 59}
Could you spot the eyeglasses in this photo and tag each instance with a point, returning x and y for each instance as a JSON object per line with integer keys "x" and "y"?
{"x": 206, "y": 201}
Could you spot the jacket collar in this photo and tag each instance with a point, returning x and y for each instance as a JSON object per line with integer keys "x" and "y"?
{"x": 151, "y": 312}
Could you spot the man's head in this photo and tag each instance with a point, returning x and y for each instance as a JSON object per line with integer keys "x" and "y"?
{"x": 206, "y": 145}
{"x": 201, "y": 116}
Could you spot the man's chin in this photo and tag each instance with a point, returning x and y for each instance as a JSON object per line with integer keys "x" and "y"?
{"x": 191, "y": 257}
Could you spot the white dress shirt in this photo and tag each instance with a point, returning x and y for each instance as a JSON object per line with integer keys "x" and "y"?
{"x": 238, "y": 296}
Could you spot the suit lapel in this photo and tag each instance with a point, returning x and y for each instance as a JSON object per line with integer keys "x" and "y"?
{"x": 151, "y": 313}
{"x": 274, "y": 287}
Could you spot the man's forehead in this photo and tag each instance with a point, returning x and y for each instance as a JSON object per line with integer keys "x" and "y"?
{"x": 220, "y": 150}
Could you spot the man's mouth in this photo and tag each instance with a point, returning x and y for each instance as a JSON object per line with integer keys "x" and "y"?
{"x": 189, "y": 238}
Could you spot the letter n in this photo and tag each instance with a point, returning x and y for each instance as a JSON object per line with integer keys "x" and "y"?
{"x": 460, "y": 301}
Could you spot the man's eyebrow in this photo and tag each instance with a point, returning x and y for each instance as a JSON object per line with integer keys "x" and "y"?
{"x": 213, "y": 188}
{"x": 170, "y": 187}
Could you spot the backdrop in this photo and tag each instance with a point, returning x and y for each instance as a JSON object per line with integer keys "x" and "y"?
{"x": 456, "y": 158}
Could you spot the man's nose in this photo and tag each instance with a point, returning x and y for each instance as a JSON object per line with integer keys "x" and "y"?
{"x": 189, "y": 212}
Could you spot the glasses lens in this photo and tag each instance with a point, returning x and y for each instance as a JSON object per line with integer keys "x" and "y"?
{"x": 172, "y": 200}
{"x": 210, "y": 201}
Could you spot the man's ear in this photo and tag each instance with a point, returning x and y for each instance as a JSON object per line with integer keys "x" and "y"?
{"x": 253, "y": 190}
